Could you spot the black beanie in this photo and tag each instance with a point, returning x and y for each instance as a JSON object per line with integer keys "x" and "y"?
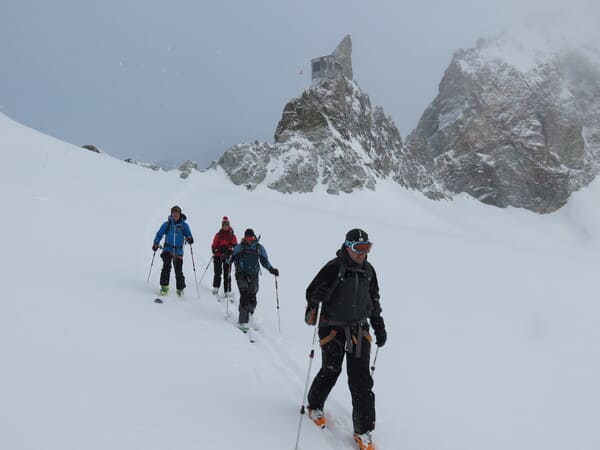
{"x": 357, "y": 235}
{"x": 249, "y": 232}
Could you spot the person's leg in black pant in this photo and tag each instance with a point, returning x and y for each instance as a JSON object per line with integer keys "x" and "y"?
{"x": 217, "y": 263}
{"x": 165, "y": 273}
{"x": 179, "y": 278}
{"x": 332, "y": 358}
{"x": 360, "y": 383}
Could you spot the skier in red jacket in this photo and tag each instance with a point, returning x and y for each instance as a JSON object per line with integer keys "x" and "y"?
{"x": 222, "y": 245}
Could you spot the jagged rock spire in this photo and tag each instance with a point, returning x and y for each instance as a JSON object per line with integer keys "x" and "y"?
{"x": 343, "y": 55}
{"x": 334, "y": 66}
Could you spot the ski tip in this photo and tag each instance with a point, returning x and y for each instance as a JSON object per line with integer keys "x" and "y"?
{"x": 157, "y": 300}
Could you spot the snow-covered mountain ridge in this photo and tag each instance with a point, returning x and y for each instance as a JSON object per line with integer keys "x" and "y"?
{"x": 332, "y": 136}
{"x": 515, "y": 123}
{"x": 329, "y": 136}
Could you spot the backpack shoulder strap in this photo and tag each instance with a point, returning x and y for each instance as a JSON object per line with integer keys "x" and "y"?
{"x": 168, "y": 227}
{"x": 340, "y": 277}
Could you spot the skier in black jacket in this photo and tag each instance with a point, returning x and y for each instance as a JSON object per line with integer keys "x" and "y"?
{"x": 347, "y": 286}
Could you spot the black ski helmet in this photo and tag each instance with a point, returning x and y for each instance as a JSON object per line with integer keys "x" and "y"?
{"x": 357, "y": 235}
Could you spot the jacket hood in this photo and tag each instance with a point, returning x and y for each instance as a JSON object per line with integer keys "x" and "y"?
{"x": 181, "y": 219}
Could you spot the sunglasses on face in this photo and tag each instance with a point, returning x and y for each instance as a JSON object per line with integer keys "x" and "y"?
{"x": 359, "y": 247}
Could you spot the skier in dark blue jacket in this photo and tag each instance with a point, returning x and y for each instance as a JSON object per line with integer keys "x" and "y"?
{"x": 176, "y": 231}
{"x": 247, "y": 255}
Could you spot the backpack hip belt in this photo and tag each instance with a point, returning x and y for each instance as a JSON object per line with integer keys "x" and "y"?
{"x": 351, "y": 341}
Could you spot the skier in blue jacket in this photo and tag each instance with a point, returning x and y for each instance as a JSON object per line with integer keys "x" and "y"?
{"x": 247, "y": 255}
{"x": 176, "y": 231}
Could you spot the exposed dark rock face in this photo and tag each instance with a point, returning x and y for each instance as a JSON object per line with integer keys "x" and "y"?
{"x": 524, "y": 135}
{"x": 187, "y": 167}
{"x": 91, "y": 148}
{"x": 143, "y": 164}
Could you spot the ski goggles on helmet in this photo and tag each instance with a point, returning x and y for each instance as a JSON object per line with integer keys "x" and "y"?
{"x": 362, "y": 247}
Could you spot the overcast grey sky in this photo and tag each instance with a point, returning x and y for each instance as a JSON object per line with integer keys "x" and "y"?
{"x": 166, "y": 81}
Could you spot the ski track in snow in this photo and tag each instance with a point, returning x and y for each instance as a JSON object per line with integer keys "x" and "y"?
{"x": 272, "y": 351}
{"x": 276, "y": 354}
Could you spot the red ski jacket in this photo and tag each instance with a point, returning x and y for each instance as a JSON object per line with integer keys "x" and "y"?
{"x": 223, "y": 242}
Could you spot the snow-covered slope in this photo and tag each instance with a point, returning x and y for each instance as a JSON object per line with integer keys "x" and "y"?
{"x": 491, "y": 314}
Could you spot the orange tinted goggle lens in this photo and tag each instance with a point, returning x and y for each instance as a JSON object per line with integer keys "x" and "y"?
{"x": 363, "y": 247}
{"x": 360, "y": 247}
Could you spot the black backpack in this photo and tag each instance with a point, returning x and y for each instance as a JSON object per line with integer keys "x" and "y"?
{"x": 310, "y": 315}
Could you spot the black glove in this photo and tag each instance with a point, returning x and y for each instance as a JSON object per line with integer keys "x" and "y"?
{"x": 274, "y": 271}
{"x": 190, "y": 240}
{"x": 379, "y": 328}
{"x": 321, "y": 294}
{"x": 154, "y": 247}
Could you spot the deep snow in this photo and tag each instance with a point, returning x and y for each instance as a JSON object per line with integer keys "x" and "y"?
{"x": 491, "y": 314}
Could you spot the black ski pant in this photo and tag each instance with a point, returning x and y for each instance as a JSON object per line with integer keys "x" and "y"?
{"x": 248, "y": 286}
{"x": 222, "y": 267}
{"x": 165, "y": 273}
{"x": 360, "y": 381}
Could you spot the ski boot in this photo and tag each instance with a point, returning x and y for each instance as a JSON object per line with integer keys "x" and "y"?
{"x": 364, "y": 441}
{"x": 164, "y": 290}
{"x": 317, "y": 416}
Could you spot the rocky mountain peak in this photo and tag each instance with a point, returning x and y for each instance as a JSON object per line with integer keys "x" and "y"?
{"x": 330, "y": 136}
{"x": 515, "y": 124}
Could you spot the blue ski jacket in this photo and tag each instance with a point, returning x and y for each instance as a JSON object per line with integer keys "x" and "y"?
{"x": 175, "y": 233}
{"x": 247, "y": 256}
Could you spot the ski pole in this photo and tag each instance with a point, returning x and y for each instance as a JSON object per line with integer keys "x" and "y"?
{"x": 207, "y": 266}
{"x": 374, "y": 361}
{"x": 151, "y": 264}
{"x": 227, "y": 277}
{"x": 194, "y": 266}
{"x": 277, "y": 297}
{"x": 311, "y": 357}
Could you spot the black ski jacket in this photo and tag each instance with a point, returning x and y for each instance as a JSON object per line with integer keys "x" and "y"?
{"x": 353, "y": 294}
